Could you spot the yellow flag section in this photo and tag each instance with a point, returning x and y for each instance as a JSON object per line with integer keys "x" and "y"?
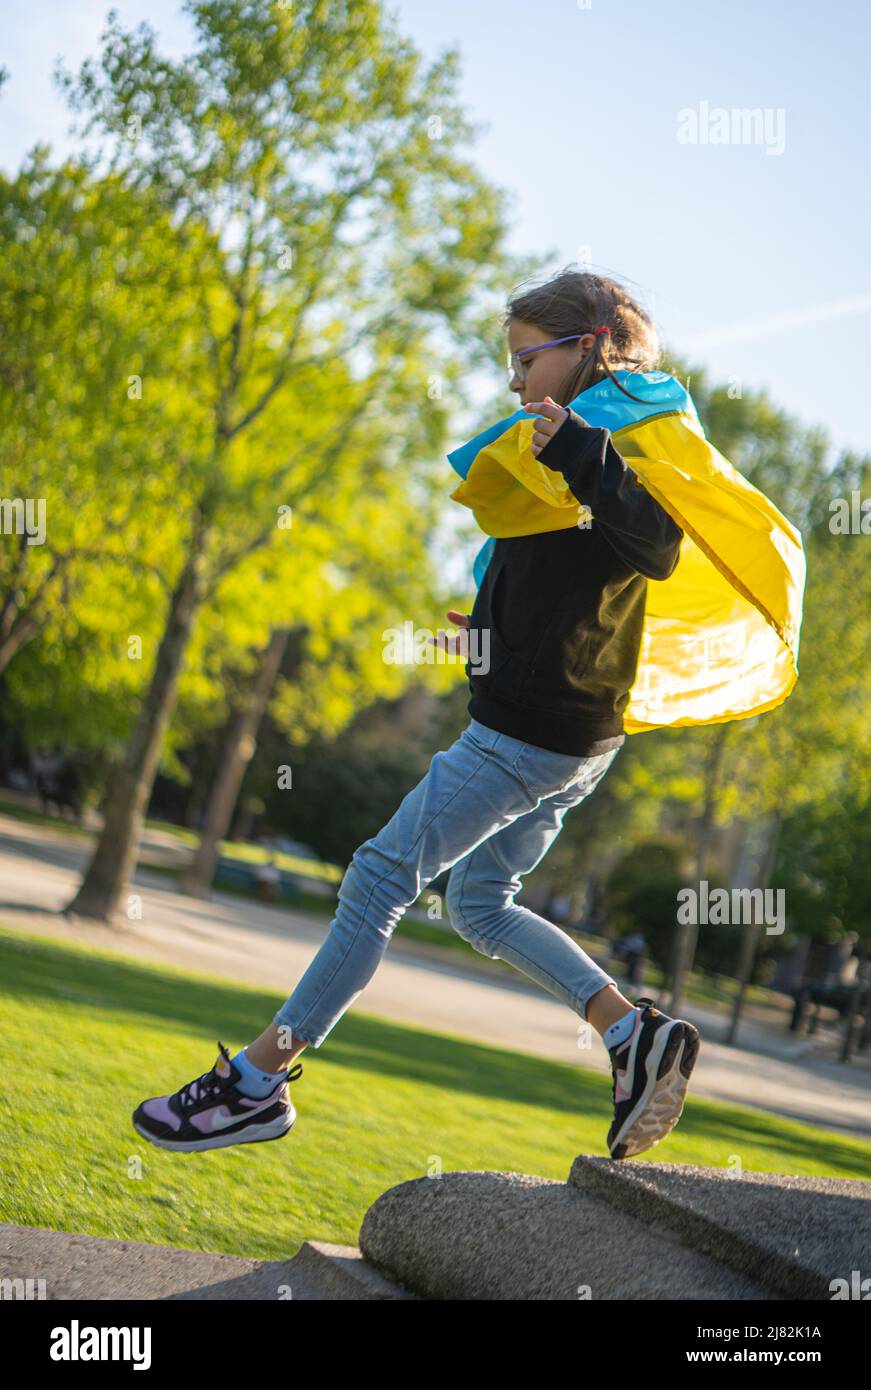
{"x": 721, "y": 635}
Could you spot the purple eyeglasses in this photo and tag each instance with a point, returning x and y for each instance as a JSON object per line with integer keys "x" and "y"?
{"x": 516, "y": 365}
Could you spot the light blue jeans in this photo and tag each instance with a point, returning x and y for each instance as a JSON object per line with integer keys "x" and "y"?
{"x": 491, "y": 806}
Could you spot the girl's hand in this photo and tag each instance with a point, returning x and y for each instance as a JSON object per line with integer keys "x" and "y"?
{"x": 454, "y": 643}
{"x": 555, "y": 415}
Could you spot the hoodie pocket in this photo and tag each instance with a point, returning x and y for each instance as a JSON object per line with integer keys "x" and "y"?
{"x": 558, "y": 667}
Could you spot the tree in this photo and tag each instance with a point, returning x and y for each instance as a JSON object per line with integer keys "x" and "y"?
{"x": 308, "y": 142}
{"x": 86, "y": 298}
{"x": 241, "y": 742}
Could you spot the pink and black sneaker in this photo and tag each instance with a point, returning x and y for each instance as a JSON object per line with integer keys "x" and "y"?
{"x": 651, "y": 1070}
{"x": 212, "y": 1113}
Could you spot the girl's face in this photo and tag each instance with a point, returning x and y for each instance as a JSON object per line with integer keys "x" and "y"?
{"x": 545, "y": 370}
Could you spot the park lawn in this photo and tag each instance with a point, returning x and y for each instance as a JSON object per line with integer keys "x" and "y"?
{"x": 89, "y": 1034}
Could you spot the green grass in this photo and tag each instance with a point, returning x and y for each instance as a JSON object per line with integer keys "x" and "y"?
{"x": 88, "y": 1034}
{"x": 247, "y": 853}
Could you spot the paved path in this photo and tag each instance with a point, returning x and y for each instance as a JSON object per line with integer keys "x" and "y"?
{"x": 481, "y": 1000}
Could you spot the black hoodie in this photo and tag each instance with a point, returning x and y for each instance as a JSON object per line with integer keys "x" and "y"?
{"x": 565, "y": 609}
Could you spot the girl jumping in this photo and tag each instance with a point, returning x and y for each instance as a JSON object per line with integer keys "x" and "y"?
{"x": 560, "y": 614}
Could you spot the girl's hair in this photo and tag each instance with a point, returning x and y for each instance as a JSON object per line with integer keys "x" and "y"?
{"x": 576, "y": 301}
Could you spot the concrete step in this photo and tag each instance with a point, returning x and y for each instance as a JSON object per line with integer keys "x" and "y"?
{"x": 494, "y": 1236}
{"x": 57, "y": 1265}
{"x": 795, "y": 1235}
{"x": 615, "y": 1230}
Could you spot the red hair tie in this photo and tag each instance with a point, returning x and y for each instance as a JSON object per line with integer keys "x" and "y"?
{"x": 602, "y": 328}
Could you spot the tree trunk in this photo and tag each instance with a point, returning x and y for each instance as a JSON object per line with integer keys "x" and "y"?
{"x": 750, "y": 940}
{"x": 194, "y": 811}
{"x": 238, "y": 751}
{"x": 687, "y": 933}
{"x": 130, "y": 784}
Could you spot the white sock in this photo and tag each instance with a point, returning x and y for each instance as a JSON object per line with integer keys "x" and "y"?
{"x": 253, "y": 1081}
{"x": 621, "y": 1030}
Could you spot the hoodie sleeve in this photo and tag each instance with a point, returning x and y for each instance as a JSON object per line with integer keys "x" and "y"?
{"x": 636, "y": 527}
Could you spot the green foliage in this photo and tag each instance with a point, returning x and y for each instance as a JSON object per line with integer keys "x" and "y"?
{"x": 825, "y": 868}
{"x": 343, "y": 791}
{"x": 283, "y": 237}
{"x": 640, "y": 893}
{"x": 93, "y": 337}
{"x": 220, "y": 246}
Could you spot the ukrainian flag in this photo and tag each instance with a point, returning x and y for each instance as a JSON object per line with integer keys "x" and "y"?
{"x": 721, "y": 634}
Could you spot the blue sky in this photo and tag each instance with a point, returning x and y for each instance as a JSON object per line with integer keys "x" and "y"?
{"x": 753, "y": 262}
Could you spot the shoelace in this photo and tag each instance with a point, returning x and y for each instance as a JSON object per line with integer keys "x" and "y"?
{"x": 211, "y": 1082}
{"x": 207, "y": 1084}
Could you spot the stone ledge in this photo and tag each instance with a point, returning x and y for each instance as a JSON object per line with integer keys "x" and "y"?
{"x": 495, "y": 1236}
{"x": 95, "y": 1269}
{"x": 793, "y": 1234}
{"x": 615, "y": 1230}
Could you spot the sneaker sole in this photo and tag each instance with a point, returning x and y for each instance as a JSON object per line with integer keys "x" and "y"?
{"x": 669, "y": 1067}
{"x": 254, "y": 1134}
